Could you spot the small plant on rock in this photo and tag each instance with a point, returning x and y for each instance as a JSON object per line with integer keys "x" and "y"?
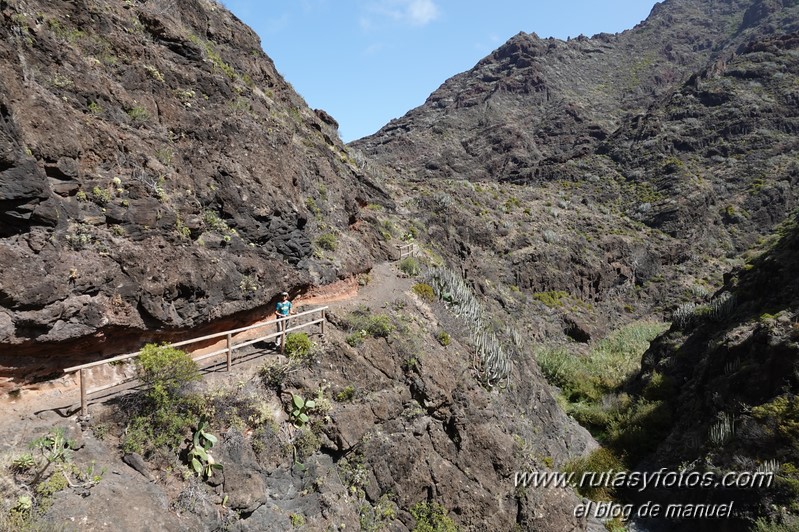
{"x": 379, "y": 326}
{"x": 355, "y": 339}
{"x": 101, "y": 196}
{"x": 299, "y": 409}
{"x": 138, "y": 114}
{"x": 347, "y": 394}
{"x": 367, "y": 324}
{"x": 424, "y": 291}
{"x": 443, "y": 338}
{"x": 327, "y": 241}
{"x": 297, "y": 520}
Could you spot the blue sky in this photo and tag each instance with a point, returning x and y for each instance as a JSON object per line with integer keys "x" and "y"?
{"x": 368, "y": 61}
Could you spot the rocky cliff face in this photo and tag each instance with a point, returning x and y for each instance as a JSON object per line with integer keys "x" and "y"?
{"x": 156, "y": 174}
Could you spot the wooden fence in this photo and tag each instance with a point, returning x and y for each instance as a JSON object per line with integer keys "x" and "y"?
{"x": 406, "y": 250}
{"x": 230, "y": 337}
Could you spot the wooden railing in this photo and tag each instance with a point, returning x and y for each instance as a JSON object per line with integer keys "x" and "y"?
{"x": 406, "y": 250}
{"x": 286, "y": 326}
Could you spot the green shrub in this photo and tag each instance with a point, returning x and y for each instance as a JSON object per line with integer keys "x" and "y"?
{"x": 298, "y": 345}
{"x": 409, "y": 266}
{"x": 591, "y": 414}
{"x": 569, "y": 372}
{"x": 165, "y": 414}
{"x": 660, "y": 387}
{"x": 424, "y": 291}
{"x": 765, "y": 525}
{"x": 347, "y": 394}
{"x": 378, "y": 517}
{"x": 639, "y": 429}
{"x": 101, "y": 196}
{"x": 379, "y": 326}
{"x": 306, "y": 443}
{"x": 443, "y": 338}
{"x": 166, "y": 368}
{"x": 410, "y": 363}
{"x": 273, "y": 373}
{"x": 154, "y": 73}
{"x": 327, "y": 241}
{"x": 138, "y": 114}
{"x": 215, "y": 223}
{"x": 432, "y": 517}
{"x": 366, "y": 324}
{"x": 599, "y": 461}
{"x": 51, "y": 486}
{"x": 355, "y": 339}
{"x": 781, "y": 416}
{"x": 311, "y": 205}
{"x": 552, "y": 299}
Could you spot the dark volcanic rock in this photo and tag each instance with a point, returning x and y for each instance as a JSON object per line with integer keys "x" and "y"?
{"x": 165, "y": 176}
{"x": 739, "y": 364}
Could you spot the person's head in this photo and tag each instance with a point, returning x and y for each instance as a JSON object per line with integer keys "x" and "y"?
{"x": 284, "y": 295}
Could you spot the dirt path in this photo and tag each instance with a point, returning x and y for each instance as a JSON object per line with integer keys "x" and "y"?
{"x": 385, "y": 285}
{"x": 46, "y": 403}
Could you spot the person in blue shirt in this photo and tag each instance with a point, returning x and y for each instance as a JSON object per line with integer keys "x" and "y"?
{"x": 282, "y": 310}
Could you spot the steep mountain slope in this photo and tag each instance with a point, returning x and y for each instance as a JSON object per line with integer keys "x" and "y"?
{"x": 535, "y": 103}
{"x": 732, "y": 372}
{"x": 156, "y": 173}
{"x": 685, "y": 124}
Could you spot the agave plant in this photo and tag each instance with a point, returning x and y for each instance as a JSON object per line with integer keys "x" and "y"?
{"x": 494, "y": 359}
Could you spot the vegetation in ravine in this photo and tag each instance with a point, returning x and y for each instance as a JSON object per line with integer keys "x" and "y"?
{"x": 590, "y": 389}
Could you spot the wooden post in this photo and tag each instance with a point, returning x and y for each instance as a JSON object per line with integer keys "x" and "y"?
{"x": 229, "y": 350}
{"x": 322, "y": 329}
{"x": 84, "y": 406}
{"x": 285, "y": 326}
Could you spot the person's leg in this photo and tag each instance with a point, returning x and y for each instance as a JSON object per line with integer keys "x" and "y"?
{"x": 280, "y": 326}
